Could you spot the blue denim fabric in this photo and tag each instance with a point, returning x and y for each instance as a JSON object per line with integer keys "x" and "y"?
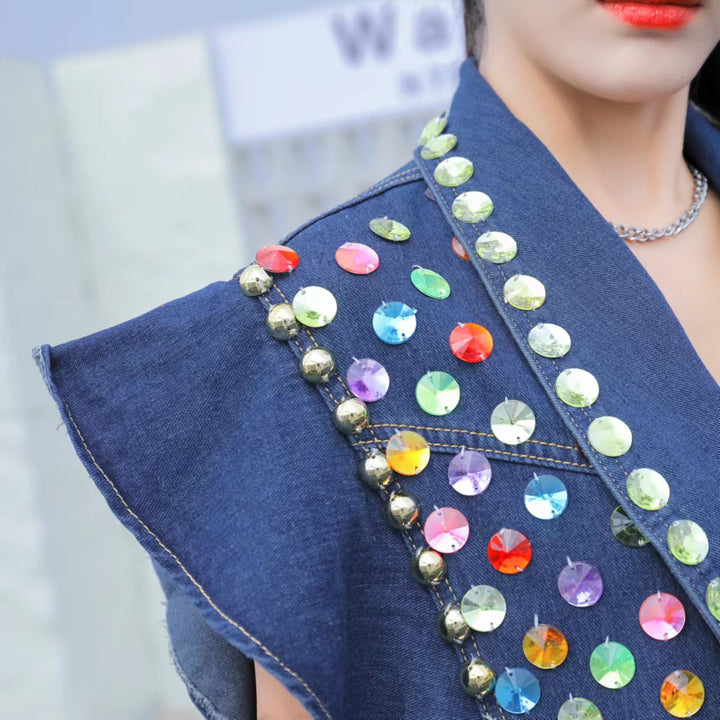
{"x": 225, "y": 464}
{"x": 219, "y": 678}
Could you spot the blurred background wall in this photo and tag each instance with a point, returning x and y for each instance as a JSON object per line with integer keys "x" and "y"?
{"x": 148, "y": 149}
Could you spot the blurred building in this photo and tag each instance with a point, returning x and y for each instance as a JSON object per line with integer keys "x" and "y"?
{"x": 148, "y": 151}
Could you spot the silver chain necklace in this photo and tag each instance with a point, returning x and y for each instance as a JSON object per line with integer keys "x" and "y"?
{"x": 673, "y": 228}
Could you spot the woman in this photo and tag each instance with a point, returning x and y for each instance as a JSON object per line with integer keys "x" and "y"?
{"x": 486, "y": 346}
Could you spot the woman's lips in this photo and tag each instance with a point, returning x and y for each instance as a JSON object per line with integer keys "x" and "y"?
{"x": 653, "y": 14}
{"x": 686, "y": 3}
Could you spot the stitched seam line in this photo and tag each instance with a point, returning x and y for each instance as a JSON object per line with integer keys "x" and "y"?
{"x": 190, "y": 577}
{"x": 475, "y": 432}
{"x": 268, "y": 304}
{"x": 411, "y": 172}
{"x": 405, "y": 176}
{"x": 492, "y": 450}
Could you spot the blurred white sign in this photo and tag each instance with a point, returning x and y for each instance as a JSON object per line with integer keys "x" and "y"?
{"x": 329, "y": 66}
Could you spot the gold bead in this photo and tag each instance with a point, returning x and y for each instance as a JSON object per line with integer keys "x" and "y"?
{"x": 451, "y": 624}
{"x": 477, "y": 677}
{"x": 350, "y": 415}
{"x": 401, "y": 509}
{"x": 255, "y": 280}
{"x": 317, "y": 364}
{"x": 281, "y": 321}
{"x": 374, "y": 470}
{"x": 428, "y": 566}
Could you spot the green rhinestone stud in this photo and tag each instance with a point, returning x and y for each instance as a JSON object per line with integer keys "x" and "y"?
{"x": 524, "y": 292}
{"x": 609, "y": 435}
{"x": 438, "y": 146}
{"x": 430, "y": 283}
{"x": 612, "y": 665}
{"x": 433, "y": 128}
{"x": 389, "y": 229}
{"x": 688, "y": 542}
{"x": 648, "y": 489}
{"x": 453, "y": 171}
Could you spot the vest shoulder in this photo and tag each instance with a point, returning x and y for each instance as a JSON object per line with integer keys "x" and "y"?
{"x": 398, "y": 195}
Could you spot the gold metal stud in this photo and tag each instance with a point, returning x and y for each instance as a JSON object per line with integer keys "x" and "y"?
{"x": 374, "y": 470}
{"x": 401, "y": 509}
{"x": 255, "y": 280}
{"x": 350, "y": 416}
{"x": 317, "y": 364}
{"x": 281, "y": 321}
{"x": 451, "y": 624}
{"x": 428, "y": 566}
{"x": 477, "y": 677}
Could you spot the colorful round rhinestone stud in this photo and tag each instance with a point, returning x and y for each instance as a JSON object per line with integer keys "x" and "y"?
{"x": 277, "y": 258}
{"x": 483, "y": 608}
{"x": 580, "y": 584}
{"x": 548, "y": 340}
{"x": 458, "y": 248}
{"x": 624, "y": 529}
{"x": 687, "y": 542}
{"x": 577, "y": 387}
{"x": 524, "y": 292}
{"x": 394, "y": 322}
{"x": 609, "y": 435}
{"x": 389, "y": 229}
{"x": 469, "y": 472}
{"x": 496, "y": 247}
{"x": 612, "y": 665}
{"x": 546, "y": 497}
{"x": 433, "y": 128}
{"x": 314, "y": 306}
{"x": 446, "y": 530}
{"x": 579, "y": 709}
{"x": 648, "y": 489}
{"x": 712, "y": 597}
{"x": 367, "y": 379}
{"x": 407, "y": 452}
{"x": 470, "y": 342}
{"x": 512, "y": 422}
{"x": 472, "y": 206}
{"x": 453, "y": 171}
{"x": 545, "y": 646}
{"x": 662, "y": 616}
{"x": 438, "y": 146}
{"x": 682, "y": 694}
{"x": 430, "y": 283}
{"x": 437, "y": 392}
{"x": 357, "y": 258}
{"x": 509, "y": 551}
{"x": 517, "y": 690}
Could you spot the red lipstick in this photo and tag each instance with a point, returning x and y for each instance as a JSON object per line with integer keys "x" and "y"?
{"x": 653, "y": 14}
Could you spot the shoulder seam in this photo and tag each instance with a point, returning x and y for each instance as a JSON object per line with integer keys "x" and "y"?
{"x": 407, "y": 173}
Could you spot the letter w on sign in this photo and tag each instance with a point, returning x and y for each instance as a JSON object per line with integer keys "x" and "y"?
{"x": 365, "y": 32}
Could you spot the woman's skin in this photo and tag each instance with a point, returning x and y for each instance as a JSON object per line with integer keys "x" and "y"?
{"x": 609, "y": 101}
{"x": 274, "y": 701}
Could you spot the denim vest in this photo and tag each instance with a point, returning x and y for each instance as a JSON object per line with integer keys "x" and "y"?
{"x": 241, "y": 481}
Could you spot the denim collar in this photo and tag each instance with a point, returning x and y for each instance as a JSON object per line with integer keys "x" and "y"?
{"x": 623, "y": 330}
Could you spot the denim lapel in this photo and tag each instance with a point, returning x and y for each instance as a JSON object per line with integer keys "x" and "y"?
{"x": 623, "y": 330}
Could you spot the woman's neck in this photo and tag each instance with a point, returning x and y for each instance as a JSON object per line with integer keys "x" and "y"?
{"x": 626, "y": 157}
